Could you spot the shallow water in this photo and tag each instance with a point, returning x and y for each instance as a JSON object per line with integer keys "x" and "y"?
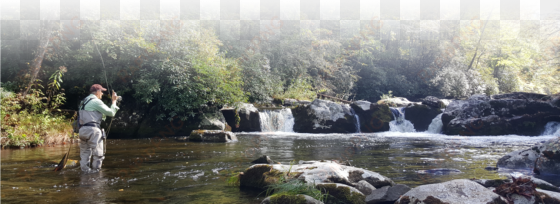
{"x": 172, "y": 171}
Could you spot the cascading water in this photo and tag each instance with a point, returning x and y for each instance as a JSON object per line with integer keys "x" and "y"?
{"x": 357, "y": 120}
{"x": 436, "y": 125}
{"x": 400, "y": 124}
{"x": 552, "y": 128}
{"x": 277, "y": 120}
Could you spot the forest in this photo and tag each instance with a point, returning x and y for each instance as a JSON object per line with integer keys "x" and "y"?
{"x": 185, "y": 68}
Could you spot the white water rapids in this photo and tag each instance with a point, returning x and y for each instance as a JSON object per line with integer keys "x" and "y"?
{"x": 277, "y": 120}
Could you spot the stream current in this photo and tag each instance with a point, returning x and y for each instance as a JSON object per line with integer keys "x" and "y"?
{"x": 173, "y": 171}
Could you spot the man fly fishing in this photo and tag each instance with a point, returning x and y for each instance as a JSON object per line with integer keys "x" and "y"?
{"x": 92, "y": 111}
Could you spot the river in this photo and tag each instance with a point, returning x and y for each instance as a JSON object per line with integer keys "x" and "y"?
{"x": 175, "y": 171}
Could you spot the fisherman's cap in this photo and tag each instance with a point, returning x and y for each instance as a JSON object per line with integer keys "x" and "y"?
{"x": 96, "y": 87}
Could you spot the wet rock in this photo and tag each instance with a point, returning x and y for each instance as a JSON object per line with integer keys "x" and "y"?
{"x": 314, "y": 172}
{"x": 322, "y": 116}
{"x": 249, "y": 118}
{"x": 553, "y": 196}
{"x": 421, "y": 116}
{"x": 491, "y": 182}
{"x": 435, "y": 102}
{"x": 364, "y": 187}
{"x": 340, "y": 193}
{"x": 263, "y": 160}
{"x": 295, "y": 102}
{"x": 212, "y": 121}
{"x": 461, "y": 191}
{"x": 519, "y": 159}
{"x": 548, "y": 161}
{"x": 373, "y": 117}
{"x": 387, "y": 194}
{"x": 284, "y": 199}
{"x": 515, "y": 113}
{"x": 259, "y": 176}
{"x": 212, "y": 136}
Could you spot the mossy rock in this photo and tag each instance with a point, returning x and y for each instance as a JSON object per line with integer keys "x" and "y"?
{"x": 253, "y": 177}
{"x": 340, "y": 193}
{"x": 290, "y": 199}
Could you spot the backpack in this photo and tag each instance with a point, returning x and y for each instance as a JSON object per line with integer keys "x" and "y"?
{"x": 76, "y": 124}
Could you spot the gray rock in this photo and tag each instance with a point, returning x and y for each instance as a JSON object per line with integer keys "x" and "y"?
{"x": 373, "y": 118}
{"x": 421, "y": 116}
{"x": 290, "y": 199}
{"x": 387, "y": 194}
{"x": 491, "y": 182}
{"x": 514, "y": 113}
{"x": 263, "y": 160}
{"x": 461, "y": 191}
{"x": 364, "y": 105}
{"x": 518, "y": 159}
{"x": 364, "y": 187}
{"x": 322, "y": 116}
{"x": 435, "y": 102}
{"x": 519, "y": 199}
{"x": 549, "y": 158}
{"x": 552, "y": 194}
{"x": 212, "y": 121}
{"x": 544, "y": 185}
{"x": 397, "y": 102}
{"x": 249, "y": 118}
{"x": 212, "y": 136}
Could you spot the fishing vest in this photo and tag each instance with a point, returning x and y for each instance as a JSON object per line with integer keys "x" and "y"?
{"x": 90, "y": 118}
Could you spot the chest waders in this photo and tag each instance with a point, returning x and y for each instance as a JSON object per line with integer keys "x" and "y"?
{"x": 91, "y": 140}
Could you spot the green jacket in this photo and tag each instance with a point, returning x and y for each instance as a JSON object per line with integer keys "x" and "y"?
{"x": 97, "y": 105}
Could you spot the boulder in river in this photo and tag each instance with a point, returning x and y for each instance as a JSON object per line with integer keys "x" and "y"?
{"x": 515, "y": 113}
{"x": 341, "y": 193}
{"x": 548, "y": 161}
{"x": 387, "y": 194}
{"x": 322, "y": 116}
{"x": 283, "y": 199}
{"x": 373, "y": 117}
{"x": 263, "y": 160}
{"x": 244, "y": 119}
{"x": 312, "y": 172}
{"x": 212, "y": 121}
{"x": 435, "y": 102}
{"x": 460, "y": 191}
{"x": 212, "y": 136}
{"x": 396, "y": 102}
{"x": 520, "y": 159}
{"x": 421, "y": 115}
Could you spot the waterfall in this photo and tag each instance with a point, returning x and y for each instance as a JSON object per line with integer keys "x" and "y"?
{"x": 400, "y": 124}
{"x": 277, "y": 120}
{"x": 358, "y": 130}
{"x": 436, "y": 125}
{"x": 552, "y": 128}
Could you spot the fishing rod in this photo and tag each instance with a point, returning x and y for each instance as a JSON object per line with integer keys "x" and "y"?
{"x": 108, "y": 86}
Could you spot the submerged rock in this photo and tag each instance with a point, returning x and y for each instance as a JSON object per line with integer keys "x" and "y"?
{"x": 284, "y": 199}
{"x": 249, "y": 118}
{"x": 440, "y": 171}
{"x": 212, "y": 136}
{"x": 461, "y": 191}
{"x": 421, "y": 116}
{"x": 373, "y": 117}
{"x": 515, "y": 113}
{"x": 322, "y": 116}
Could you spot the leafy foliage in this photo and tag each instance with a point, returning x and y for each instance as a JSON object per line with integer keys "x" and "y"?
{"x": 520, "y": 186}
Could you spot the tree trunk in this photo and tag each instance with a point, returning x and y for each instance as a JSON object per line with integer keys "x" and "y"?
{"x": 46, "y": 38}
